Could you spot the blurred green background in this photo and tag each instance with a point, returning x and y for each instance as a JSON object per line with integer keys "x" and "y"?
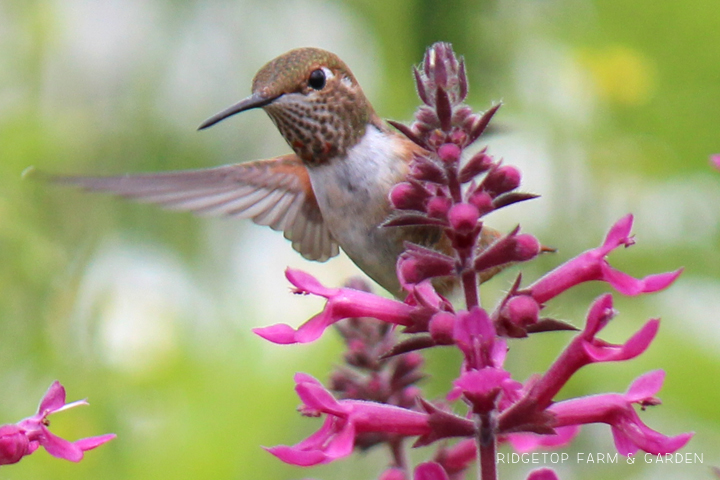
{"x": 609, "y": 107}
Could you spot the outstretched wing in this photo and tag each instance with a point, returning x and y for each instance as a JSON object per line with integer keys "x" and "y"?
{"x": 274, "y": 192}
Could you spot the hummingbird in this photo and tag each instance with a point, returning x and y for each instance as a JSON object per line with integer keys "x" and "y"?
{"x": 332, "y": 192}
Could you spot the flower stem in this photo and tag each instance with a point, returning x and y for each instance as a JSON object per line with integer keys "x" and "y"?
{"x": 487, "y": 448}
{"x": 469, "y": 280}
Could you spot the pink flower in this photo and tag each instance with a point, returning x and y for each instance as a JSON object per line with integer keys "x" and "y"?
{"x": 543, "y": 474}
{"x": 582, "y": 350}
{"x": 715, "y": 161}
{"x": 345, "y": 419}
{"x": 474, "y": 334}
{"x": 430, "y": 471}
{"x": 342, "y": 303}
{"x": 29, "y": 434}
{"x": 616, "y": 409}
{"x": 592, "y": 265}
{"x": 481, "y": 388}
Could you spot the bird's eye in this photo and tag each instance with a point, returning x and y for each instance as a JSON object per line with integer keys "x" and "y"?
{"x": 317, "y": 79}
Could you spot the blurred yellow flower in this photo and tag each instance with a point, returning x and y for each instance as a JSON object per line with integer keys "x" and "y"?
{"x": 621, "y": 74}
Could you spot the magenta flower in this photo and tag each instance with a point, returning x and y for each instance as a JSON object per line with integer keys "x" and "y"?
{"x": 474, "y": 335}
{"x": 582, "y": 350}
{"x": 715, "y": 161}
{"x": 543, "y": 474}
{"x": 592, "y": 265}
{"x": 430, "y": 471}
{"x": 616, "y": 409}
{"x": 29, "y": 434}
{"x": 342, "y": 303}
{"x": 345, "y": 419}
{"x": 375, "y": 393}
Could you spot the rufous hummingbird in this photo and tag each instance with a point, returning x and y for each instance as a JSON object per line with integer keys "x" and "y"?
{"x": 331, "y": 193}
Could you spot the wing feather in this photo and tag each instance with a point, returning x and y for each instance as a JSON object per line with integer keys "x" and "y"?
{"x": 275, "y": 192}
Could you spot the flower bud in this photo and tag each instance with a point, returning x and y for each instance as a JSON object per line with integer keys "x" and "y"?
{"x": 438, "y": 207}
{"x": 521, "y": 310}
{"x": 501, "y": 180}
{"x": 482, "y": 201}
{"x": 449, "y": 153}
{"x": 441, "y": 328}
{"x": 478, "y": 163}
{"x": 408, "y": 196}
{"x": 463, "y": 217}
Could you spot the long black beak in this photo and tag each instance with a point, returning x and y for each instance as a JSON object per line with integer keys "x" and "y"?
{"x": 253, "y": 101}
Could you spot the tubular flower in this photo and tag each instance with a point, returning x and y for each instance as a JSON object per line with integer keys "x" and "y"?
{"x": 29, "y": 434}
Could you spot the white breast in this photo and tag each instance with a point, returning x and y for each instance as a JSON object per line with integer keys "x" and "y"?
{"x": 353, "y": 197}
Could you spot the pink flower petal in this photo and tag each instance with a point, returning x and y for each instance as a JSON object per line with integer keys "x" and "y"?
{"x": 645, "y": 386}
{"x": 59, "y": 447}
{"x": 592, "y": 266}
{"x": 631, "y": 286}
{"x": 306, "y": 283}
{"x": 528, "y": 442}
{"x": 53, "y": 400}
{"x": 90, "y": 443}
{"x": 317, "y": 398}
{"x": 619, "y": 234}
{"x": 342, "y": 303}
{"x": 637, "y": 344}
{"x": 299, "y": 458}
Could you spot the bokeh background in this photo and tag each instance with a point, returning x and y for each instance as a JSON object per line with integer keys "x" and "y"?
{"x": 609, "y": 107}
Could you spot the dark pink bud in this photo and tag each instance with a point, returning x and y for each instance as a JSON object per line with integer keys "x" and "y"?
{"x": 460, "y": 114}
{"x": 14, "y": 444}
{"x": 436, "y": 139}
{"x": 468, "y": 123}
{"x": 478, "y": 163}
{"x": 501, "y": 180}
{"x": 458, "y": 137}
{"x": 449, "y": 153}
{"x": 463, "y": 217}
{"x": 438, "y": 207}
{"x": 426, "y": 169}
{"x": 527, "y": 247}
{"x": 510, "y": 248}
{"x": 482, "y": 201}
{"x": 427, "y": 116}
{"x": 408, "y": 196}
{"x": 418, "y": 263}
{"x": 522, "y": 310}
{"x": 441, "y": 328}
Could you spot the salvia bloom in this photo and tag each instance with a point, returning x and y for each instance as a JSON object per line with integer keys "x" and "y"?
{"x": 374, "y": 400}
{"x": 26, "y": 436}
